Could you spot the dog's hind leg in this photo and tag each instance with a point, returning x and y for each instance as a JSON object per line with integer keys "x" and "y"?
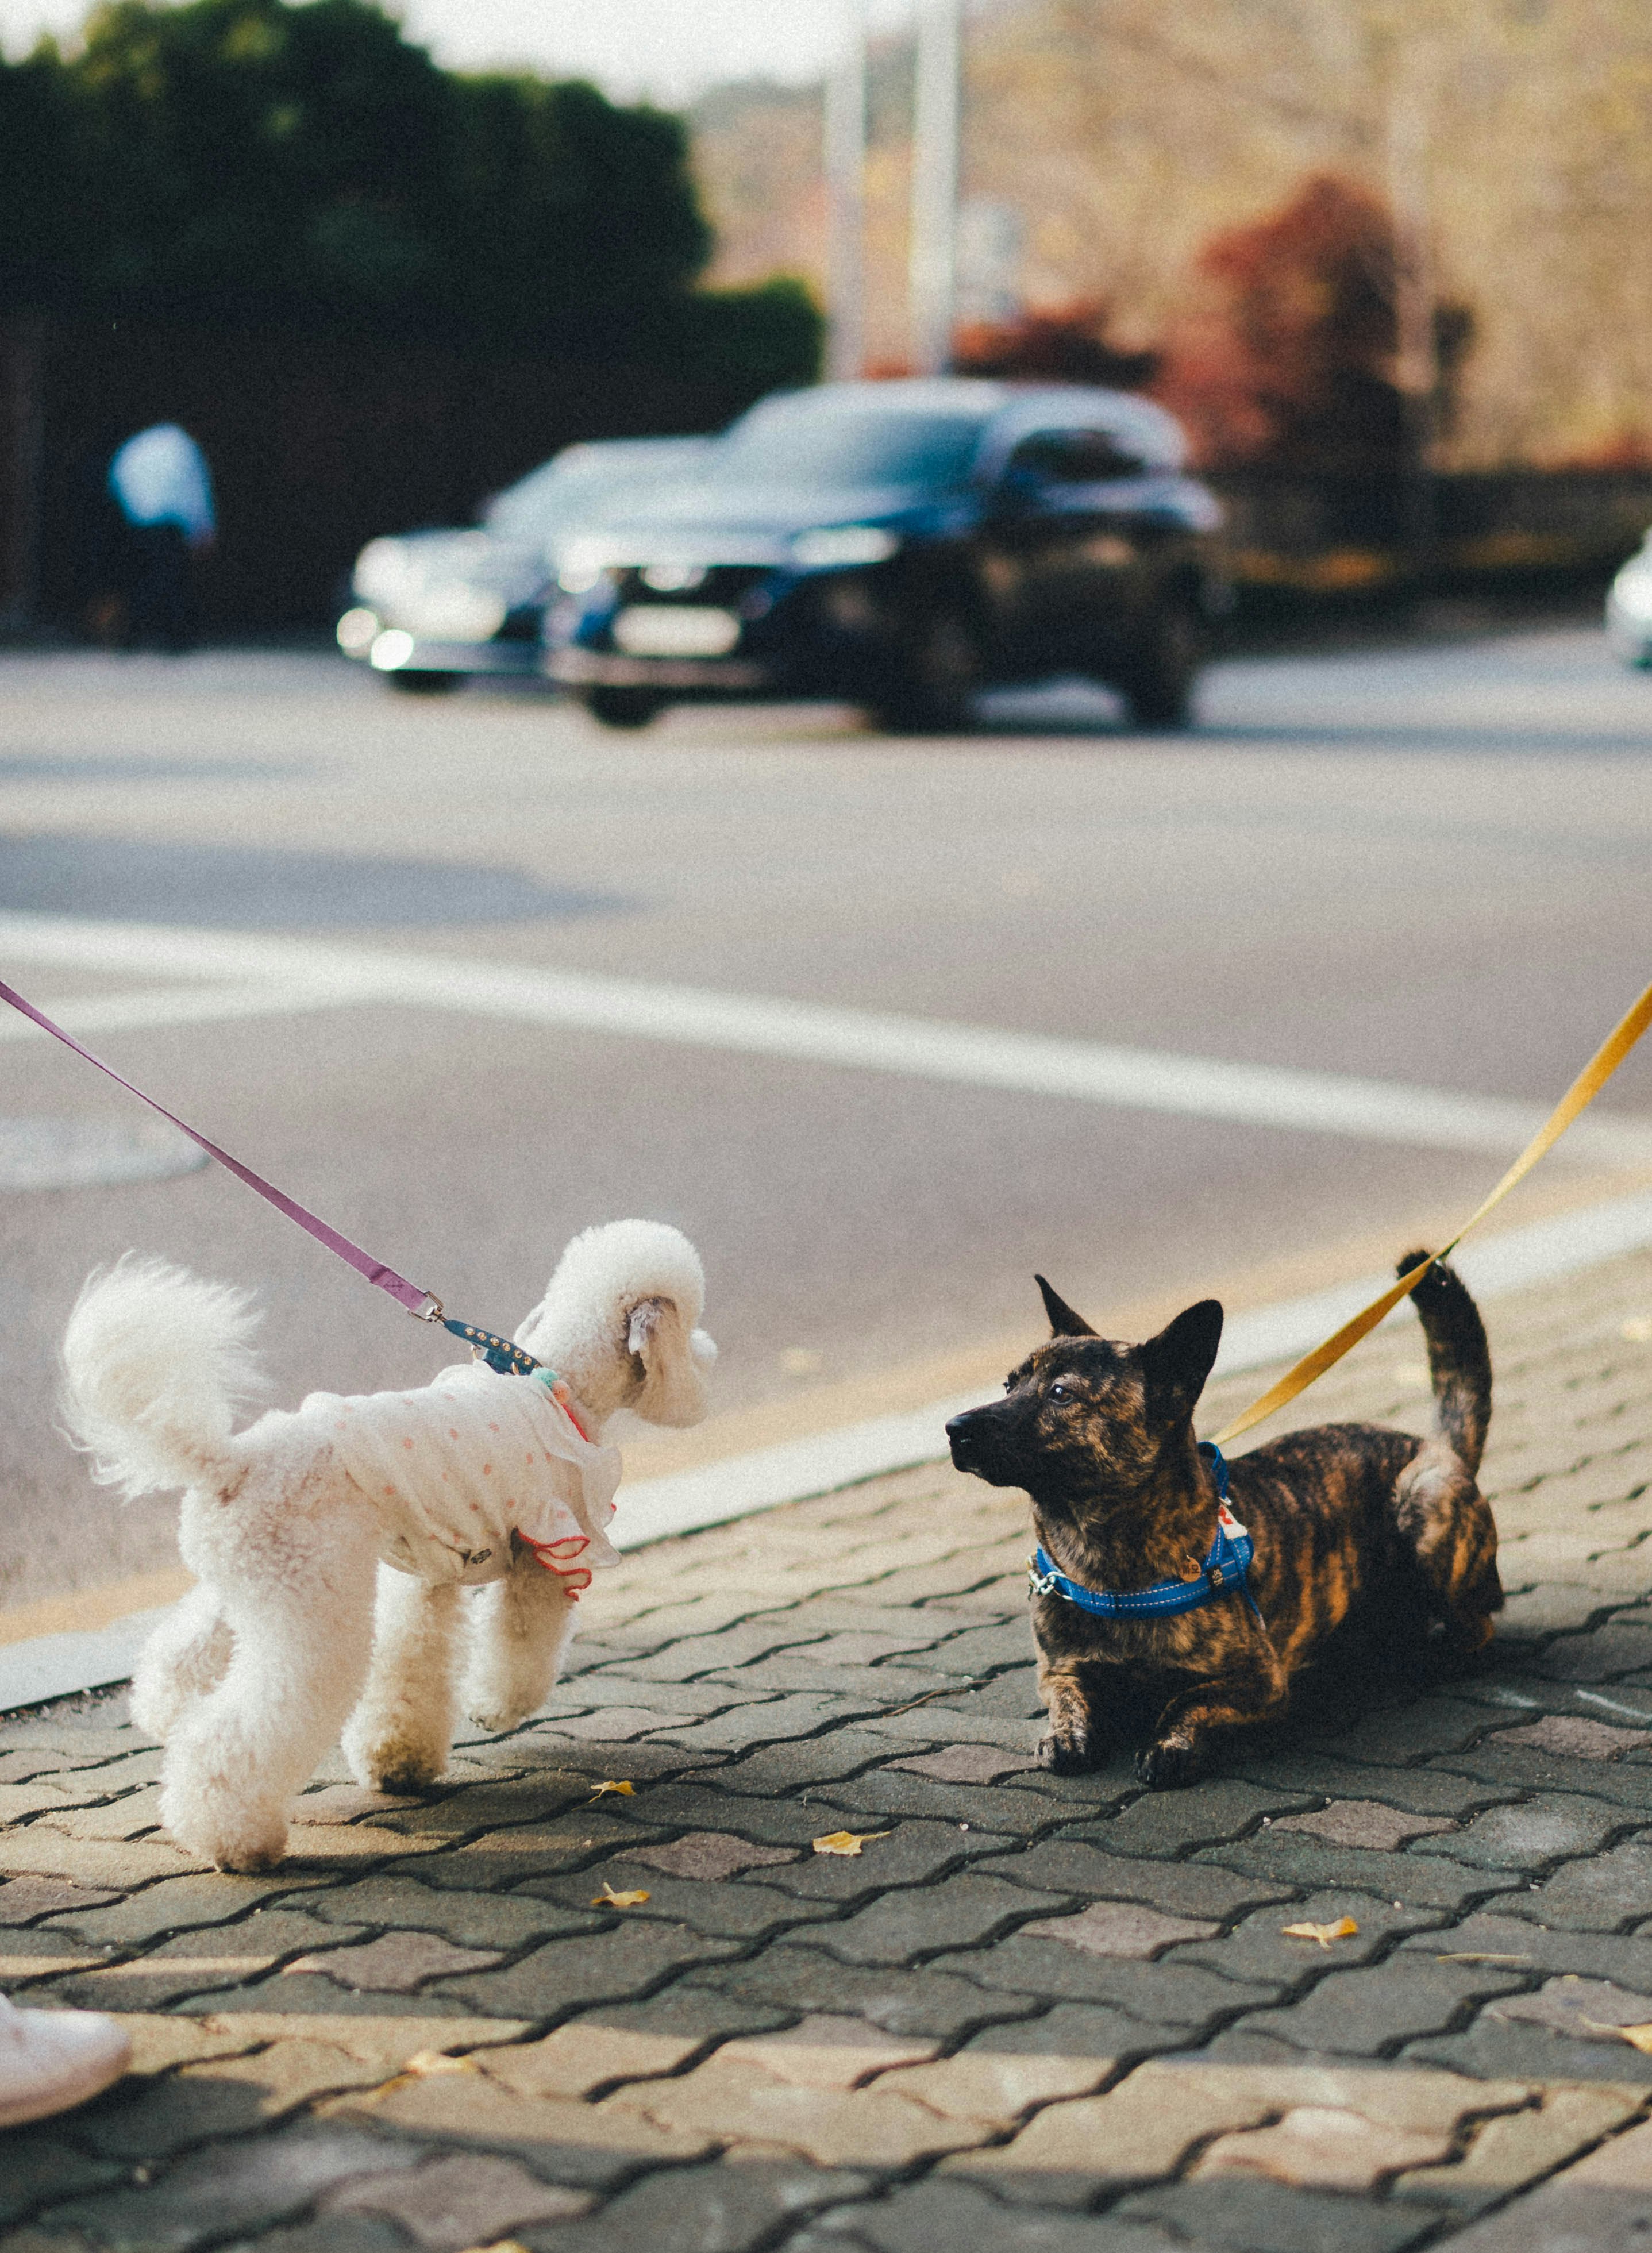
{"x": 184, "y": 1659}
{"x": 400, "y": 1735}
{"x": 237, "y": 1758}
{"x": 521, "y": 1628}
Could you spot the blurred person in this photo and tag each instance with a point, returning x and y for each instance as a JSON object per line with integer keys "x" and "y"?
{"x": 51, "y": 2061}
{"x": 161, "y": 484}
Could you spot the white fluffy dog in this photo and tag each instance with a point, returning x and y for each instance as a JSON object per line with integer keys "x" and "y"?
{"x": 285, "y": 1525}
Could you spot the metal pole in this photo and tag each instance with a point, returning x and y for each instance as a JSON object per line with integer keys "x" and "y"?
{"x": 933, "y": 256}
{"x": 845, "y": 199}
{"x": 1415, "y": 354}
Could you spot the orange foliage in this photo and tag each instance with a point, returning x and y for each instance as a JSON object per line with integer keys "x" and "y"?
{"x": 1068, "y": 344}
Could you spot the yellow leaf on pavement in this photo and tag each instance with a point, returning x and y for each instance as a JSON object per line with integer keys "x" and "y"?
{"x": 625, "y": 1790}
{"x": 1345, "y": 1929}
{"x": 845, "y": 1842}
{"x": 1641, "y": 2037}
{"x": 609, "y": 1899}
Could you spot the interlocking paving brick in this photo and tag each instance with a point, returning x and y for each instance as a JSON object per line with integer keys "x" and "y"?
{"x": 1598, "y": 1655}
{"x": 1364, "y": 1823}
{"x": 1260, "y": 1951}
{"x": 1071, "y": 1865}
{"x": 1552, "y": 1827}
{"x": 711, "y": 1855}
{"x": 23, "y": 1900}
{"x": 564, "y": 1974}
{"x": 198, "y": 1963}
{"x": 1363, "y": 2013}
{"x": 1603, "y": 1894}
{"x": 446, "y": 2204}
{"x": 923, "y": 2215}
{"x": 919, "y": 2002}
{"x": 745, "y": 1912}
{"x": 1250, "y": 2214}
{"x": 908, "y": 1854}
{"x": 1576, "y": 1737}
{"x": 1518, "y": 2148}
{"x": 901, "y": 1927}
{"x": 1290, "y": 1858}
{"x": 1170, "y": 1822}
{"x": 1169, "y": 1991}
{"x": 502, "y": 1922}
{"x": 238, "y": 2187}
{"x": 733, "y": 2209}
{"x": 1124, "y": 1929}
{"x": 1327, "y": 2147}
{"x": 586, "y": 2146}
{"x": 1019, "y": 1813}
{"x": 1604, "y": 2199}
{"x": 40, "y": 2168}
{"x": 398, "y": 1964}
{"x": 741, "y": 2101}
{"x": 967, "y": 1763}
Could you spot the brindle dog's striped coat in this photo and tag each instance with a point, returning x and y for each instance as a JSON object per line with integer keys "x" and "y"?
{"x": 1350, "y": 1520}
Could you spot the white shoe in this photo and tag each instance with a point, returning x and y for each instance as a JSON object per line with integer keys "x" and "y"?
{"x": 51, "y": 2061}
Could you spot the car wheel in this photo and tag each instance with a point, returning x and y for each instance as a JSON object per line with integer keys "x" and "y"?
{"x": 425, "y": 684}
{"x": 623, "y": 707}
{"x": 939, "y": 671}
{"x": 1159, "y": 683}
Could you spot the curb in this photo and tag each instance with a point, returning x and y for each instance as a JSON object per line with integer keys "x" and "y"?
{"x": 48, "y": 1667}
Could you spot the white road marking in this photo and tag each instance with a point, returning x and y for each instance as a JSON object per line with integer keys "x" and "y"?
{"x": 264, "y": 976}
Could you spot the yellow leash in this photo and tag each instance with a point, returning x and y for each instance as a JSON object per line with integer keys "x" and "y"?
{"x": 1576, "y": 1098}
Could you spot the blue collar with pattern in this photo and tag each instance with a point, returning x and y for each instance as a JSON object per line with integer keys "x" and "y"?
{"x": 1224, "y": 1570}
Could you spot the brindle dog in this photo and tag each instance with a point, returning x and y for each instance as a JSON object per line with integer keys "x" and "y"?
{"x": 1350, "y": 1522}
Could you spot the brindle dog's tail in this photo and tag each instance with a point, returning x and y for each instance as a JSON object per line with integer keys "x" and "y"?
{"x": 1459, "y": 1358}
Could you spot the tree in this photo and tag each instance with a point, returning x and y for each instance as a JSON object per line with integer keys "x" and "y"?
{"x": 1291, "y": 361}
{"x": 227, "y": 163}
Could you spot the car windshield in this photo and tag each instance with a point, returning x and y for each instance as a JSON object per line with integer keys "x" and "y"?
{"x": 545, "y": 500}
{"x": 850, "y": 447}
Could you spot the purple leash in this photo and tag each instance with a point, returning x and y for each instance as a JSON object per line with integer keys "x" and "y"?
{"x": 424, "y": 1305}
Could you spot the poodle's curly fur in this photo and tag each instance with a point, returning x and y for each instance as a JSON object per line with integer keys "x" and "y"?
{"x": 282, "y": 1642}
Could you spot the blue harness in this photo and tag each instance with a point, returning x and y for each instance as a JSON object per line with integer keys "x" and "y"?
{"x": 1224, "y": 1570}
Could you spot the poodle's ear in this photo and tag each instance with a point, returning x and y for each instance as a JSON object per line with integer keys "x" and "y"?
{"x": 673, "y": 1359}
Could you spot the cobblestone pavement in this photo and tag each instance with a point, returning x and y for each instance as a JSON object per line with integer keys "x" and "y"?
{"x": 598, "y": 1992}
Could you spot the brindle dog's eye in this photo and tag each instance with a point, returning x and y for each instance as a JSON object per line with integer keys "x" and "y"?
{"x": 1059, "y": 1392}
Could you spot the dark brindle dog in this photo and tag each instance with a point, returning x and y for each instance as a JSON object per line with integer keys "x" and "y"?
{"x": 1349, "y": 1522}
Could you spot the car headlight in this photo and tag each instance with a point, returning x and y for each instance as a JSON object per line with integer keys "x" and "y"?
{"x": 357, "y": 630}
{"x": 1632, "y": 593}
{"x": 838, "y": 545}
{"x": 581, "y": 566}
{"x": 453, "y": 613}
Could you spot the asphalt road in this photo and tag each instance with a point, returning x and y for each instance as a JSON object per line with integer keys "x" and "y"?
{"x": 1430, "y": 866}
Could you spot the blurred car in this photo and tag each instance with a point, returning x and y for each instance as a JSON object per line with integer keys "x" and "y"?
{"x": 900, "y": 546}
{"x": 1629, "y": 608}
{"x": 429, "y": 608}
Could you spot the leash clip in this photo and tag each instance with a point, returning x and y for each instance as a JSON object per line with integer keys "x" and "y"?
{"x": 431, "y": 1312}
{"x": 1042, "y": 1584}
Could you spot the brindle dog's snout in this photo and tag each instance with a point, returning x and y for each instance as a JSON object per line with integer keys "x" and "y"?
{"x": 976, "y": 1439}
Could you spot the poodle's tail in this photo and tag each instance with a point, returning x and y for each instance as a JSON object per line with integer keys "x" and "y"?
{"x": 1459, "y": 1358}
{"x": 155, "y": 1363}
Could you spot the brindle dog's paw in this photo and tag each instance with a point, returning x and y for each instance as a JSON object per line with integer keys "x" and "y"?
{"x": 1065, "y": 1755}
{"x": 1169, "y": 1764}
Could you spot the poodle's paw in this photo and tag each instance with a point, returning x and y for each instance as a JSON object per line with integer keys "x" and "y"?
{"x": 241, "y": 1839}
{"x": 1069, "y": 1755}
{"x": 496, "y": 1717}
{"x": 397, "y": 1770}
{"x": 1167, "y": 1765}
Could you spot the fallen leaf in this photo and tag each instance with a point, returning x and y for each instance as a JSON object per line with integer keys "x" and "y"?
{"x": 1480, "y": 1956}
{"x": 420, "y": 2067}
{"x": 500, "y": 2245}
{"x": 609, "y": 1899}
{"x": 1345, "y": 1929}
{"x": 1638, "y": 2037}
{"x": 625, "y": 1790}
{"x": 845, "y": 1841}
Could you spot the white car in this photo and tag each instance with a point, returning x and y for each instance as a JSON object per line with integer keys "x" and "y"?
{"x": 1629, "y": 608}
{"x": 430, "y": 608}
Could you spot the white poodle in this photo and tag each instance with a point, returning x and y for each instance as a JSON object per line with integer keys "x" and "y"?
{"x": 495, "y": 1483}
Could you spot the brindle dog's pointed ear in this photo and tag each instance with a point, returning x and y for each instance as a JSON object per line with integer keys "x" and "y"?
{"x": 1063, "y": 1321}
{"x": 1177, "y": 1362}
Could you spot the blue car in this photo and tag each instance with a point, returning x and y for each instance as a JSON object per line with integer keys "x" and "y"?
{"x": 900, "y": 546}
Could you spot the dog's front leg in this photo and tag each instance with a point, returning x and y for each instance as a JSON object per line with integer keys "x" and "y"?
{"x": 184, "y": 1661}
{"x": 400, "y": 1735}
{"x": 521, "y": 1628}
{"x": 1249, "y": 1690}
{"x": 1078, "y": 1738}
